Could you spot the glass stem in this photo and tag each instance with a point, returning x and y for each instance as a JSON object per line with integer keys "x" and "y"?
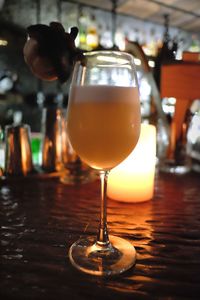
{"x": 102, "y": 237}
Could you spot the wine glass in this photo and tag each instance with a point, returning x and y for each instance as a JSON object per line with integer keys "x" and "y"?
{"x": 103, "y": 124}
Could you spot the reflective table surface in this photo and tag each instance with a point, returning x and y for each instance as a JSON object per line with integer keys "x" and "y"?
{"x": 42, "y": 217}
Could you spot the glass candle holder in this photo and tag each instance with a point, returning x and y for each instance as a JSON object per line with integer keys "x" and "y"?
{"x": 133, "y": 179}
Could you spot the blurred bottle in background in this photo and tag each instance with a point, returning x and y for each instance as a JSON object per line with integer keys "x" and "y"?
{"x": 193, "y": 136}
{"x": 2, "y": 152}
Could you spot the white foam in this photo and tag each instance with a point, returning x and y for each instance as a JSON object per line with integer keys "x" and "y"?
{"x": 103, "y": 93}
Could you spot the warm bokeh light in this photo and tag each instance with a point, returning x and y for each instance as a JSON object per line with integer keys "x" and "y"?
{"x": 3, "y": 42}
{"x": 133, "y": 179}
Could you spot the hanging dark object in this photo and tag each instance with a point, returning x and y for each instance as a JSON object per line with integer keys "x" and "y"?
{"x": 50, "y": 52}
{"x": 166, "y": 53}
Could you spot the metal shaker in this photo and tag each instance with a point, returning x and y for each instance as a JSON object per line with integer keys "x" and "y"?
{"x": 53, "y": 142}
{"x": 18, "y": 157}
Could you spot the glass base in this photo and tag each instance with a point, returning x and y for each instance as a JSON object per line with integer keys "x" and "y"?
{"x": 90, "y": 257}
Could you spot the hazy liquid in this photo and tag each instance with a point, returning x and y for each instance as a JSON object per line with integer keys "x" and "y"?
{"x": 103, "y": 123}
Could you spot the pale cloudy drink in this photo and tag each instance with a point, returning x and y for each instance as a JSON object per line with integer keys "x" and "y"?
{"x": 103, "y": 123}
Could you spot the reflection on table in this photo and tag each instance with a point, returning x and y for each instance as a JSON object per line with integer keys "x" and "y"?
{"x": 41, "y": 218}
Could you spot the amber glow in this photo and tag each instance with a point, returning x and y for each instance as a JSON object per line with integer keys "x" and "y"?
{"x": 133, "y": 179}
{"x": 24, "y": 156}
{"x": 3, "y": 42}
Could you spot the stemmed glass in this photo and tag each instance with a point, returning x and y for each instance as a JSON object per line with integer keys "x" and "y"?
{"x": 103, "y": 124}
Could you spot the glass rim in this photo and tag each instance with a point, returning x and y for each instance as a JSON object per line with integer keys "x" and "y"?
{"x": 125, "y": 56}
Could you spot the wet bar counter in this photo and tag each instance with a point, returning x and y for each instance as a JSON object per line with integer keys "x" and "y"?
{"x": 41, "y": 218}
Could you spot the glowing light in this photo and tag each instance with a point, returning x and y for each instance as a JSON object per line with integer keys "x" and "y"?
{"x": 137, "y": 61}
{"x": 133, "y": 179}
{"x": 169, "y": 105}
{"x": 92, "y": 40}
{"x": 3, "y": 43}
{"x": 151, "y": 63}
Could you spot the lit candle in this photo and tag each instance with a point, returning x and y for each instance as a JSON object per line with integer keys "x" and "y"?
{"x": 133, "y": 179}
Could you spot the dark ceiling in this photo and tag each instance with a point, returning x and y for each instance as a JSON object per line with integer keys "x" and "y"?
{"x": 183, "y": 14}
